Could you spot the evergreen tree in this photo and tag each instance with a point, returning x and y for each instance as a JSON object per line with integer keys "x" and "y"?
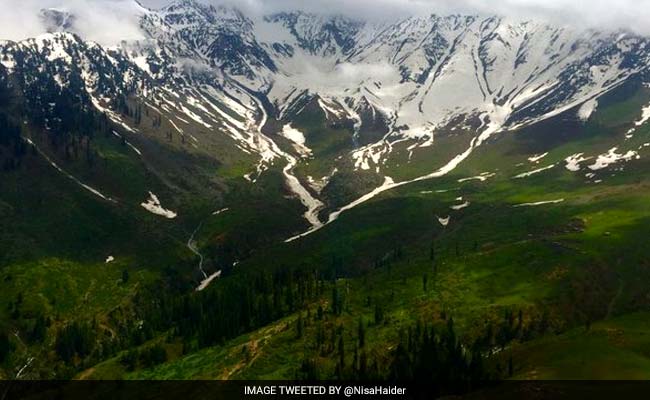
{"x": 308, "y": 371}
{"x": 510, "y": 367}
{"x": 6, "y": 347}
{"x": 37, "y": 333}
{"x": 337, "y": 301}
{"x": 299, "y": 326}
{"x": 362, "y": 333}
{"x": 75, "y": 339}
{"x": 363, "y": 366}
{"x": 341, "y": 352}
{"x": 379, "y": 314}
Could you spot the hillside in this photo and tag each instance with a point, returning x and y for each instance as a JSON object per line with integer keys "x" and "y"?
{"x": 298, "y": 195}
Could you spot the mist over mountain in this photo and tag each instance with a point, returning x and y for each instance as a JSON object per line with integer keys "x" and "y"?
{"x": 20, "y": 20}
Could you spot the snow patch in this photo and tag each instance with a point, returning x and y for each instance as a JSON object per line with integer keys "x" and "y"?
{"x": 298, "y": 139}
{"x": 70, "y": 176}
{"x": 460, "y": 206}
{"x": 539, "y": 203}
{"x": 373, "y": 153}
{"x": 195, "y": 117}
{"x": 153, "y": 206}
{"x": 574, "y": 160}
{"x": 536, "y": 159}
{"x": 329, "y": 110}
{"x": 205, "y": 282}
{"x": 319, "y": 185}
{"x": 293, "y": 134}
{"x": 483, "y": 177}
{"x": 497, "y": 118}
{"x": 612, "y": 157}
{"x": 113, "y": 116}
{"x": 587, "y": 109}
{"x": 179, "y": 130}
{"x": 135, "y": 149}
{"x": 645, "y": 116}
{"x": 312, "y": 204}
{"x": 534, "y": 172}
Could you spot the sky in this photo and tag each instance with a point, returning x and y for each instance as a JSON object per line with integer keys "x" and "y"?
{"x": 108, "y": 21}
{"x": 613, "y": 14}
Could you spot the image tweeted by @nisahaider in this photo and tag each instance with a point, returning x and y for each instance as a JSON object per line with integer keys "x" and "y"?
{"x": 324, "y": 390}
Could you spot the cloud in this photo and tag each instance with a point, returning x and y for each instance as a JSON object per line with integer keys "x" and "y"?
{"x": 607, "y": 14}
{"x": 103, "y": 21}
{"x": 109, "y": 21}
{"x": 599, "y": 14}
{"x": 19, "y": 20}
{"x": 343, "y": 74}
{"x": 354, "y": 73}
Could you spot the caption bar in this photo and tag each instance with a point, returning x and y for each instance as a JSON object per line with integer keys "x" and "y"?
{"x": 321, "y": 390}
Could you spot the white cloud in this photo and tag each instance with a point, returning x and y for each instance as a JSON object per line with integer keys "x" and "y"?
{"x": 617, "y": 14}
{"x": 108, "y": 21}
{"x": 344, "y": 74}
{"x": 103, "y": 21}
{"x": 354, "y": 73}
{"x": 19, "y": 20}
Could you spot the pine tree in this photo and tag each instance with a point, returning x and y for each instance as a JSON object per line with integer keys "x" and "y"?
{"x": 362, "y": 333}
{"x": 6, "y": 347}
{"x": 379, "y": 314}
{"x": 510, "y": 367}
{"x": 299, "y": 326}
{"x": 400, "y": 368}
{"x": 73, "y": 340}
{"x": 308, "y": 371}
{"x": 341, "y": 352}
{"x": 337, "y": 301}
{"x": 37, "y": 334}
{"x": 363, "y": 366}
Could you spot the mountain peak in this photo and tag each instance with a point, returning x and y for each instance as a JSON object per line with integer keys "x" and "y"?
{"x": 191, "y": 12}
{"x": 181, "y": 4}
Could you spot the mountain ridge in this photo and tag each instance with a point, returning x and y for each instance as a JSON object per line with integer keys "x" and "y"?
{"x": 413, "y": 78}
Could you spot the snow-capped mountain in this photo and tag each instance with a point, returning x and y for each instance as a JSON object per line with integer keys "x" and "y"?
{"x": 394, "y": 81}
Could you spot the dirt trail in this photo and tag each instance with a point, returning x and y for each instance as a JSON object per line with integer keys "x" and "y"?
{"x": 255, "y": 347}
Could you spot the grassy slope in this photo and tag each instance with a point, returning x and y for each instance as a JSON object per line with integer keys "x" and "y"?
{"x": 56, "y": 235}
{"x": 611, "y": 349}
{"x": 516, "y": 258}
{"x": 523, "y": 258}
{"x": 519, "y": 264}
